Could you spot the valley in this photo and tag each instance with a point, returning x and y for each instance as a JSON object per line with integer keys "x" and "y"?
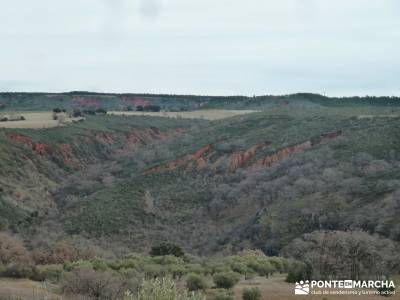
{"x": 284, "y": 176}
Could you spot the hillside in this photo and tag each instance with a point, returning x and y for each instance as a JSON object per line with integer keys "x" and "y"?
{"x": 279, "y": 180}
{"x": 120, "y": 102}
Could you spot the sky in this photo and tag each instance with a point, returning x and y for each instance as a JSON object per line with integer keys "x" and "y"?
{"x": 206, "y": 47}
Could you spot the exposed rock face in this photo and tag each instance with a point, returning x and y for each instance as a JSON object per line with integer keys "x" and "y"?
{"x": 237, "y": 160}
{"x": 82, "y": 101}
{"x": 287, "y": 151}
{"x": 283, "y": 153}
{"x": 202, "y": 157}
{"x": 69, "y": 154}
{"x": 197, "y": 156}
{"x": 39, "y": 148}
{"x": 136, "y": 101}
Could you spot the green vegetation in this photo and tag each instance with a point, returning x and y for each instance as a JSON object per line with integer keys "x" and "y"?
{"x": 251, "y": 294}
{"x": 305, "y": 173}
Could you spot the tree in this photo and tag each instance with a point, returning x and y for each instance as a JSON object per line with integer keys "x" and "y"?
{"x": 64, "y": 252}
{"x": 12, "y": 251}
{"x": 166, "y": 249}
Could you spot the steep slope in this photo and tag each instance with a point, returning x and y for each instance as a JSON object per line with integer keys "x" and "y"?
{"x": 259, "y": 180}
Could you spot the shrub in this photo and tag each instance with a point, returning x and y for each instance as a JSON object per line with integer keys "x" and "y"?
{"x": 12, "y": 251}
{"x": 98, "y": 285}
{"x": 166, "y": 249}
{"x": 49, "y": 272}
{"x": 64, "y": 252}
{"x": 239, "y": 267}
{"x": 195, "y": 268}
{"x": 195, "y": 282}
{"x": 261, "y": 267}
{"x": 154, "y": 270}
{"x": 226, "y": 280}
{"x": 213, "y": 268}
{"x": 101, "y": 111}
{"x": 99, "y": 264}
{"x": 176, "y": 271}
{"x": 69, "y": 266}
{"x": 223, "y": 295}
{"x": 127, "y": 263}
{"x": 162, "y": 289}
{"x": 278, "y": 263}
{"x": 298, "y": 271}
{"x": 76, "y": 113}
{"x": 17, "y": 270}
{"x": 167, "y": 260}
{"x": 251, "y": 294}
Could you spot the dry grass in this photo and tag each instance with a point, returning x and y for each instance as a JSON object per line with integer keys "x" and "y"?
{"x": 211, "y": 114}
{"x": 275, "y": 288}
{"x": 35, "y": 120}
{"x": 24, "y": 289}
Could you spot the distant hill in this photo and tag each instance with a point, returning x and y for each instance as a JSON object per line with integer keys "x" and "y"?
{"x": 81, "y": 100}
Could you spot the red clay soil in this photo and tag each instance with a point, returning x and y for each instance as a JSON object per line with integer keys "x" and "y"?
{"x": 237, "y": 160}
{"x": 287, "y": 151}
{"x": 39, "y": 148}
{"x": 86, "y": 101}
{"x": 183, "y": 160}
{"x": 201, "y": 158}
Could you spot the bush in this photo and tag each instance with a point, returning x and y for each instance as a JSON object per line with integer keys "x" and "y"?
{"x": 223, "y": 295}
{"x": 48, "y": 272}
{"x": 168, "y": 260}
{"x": 176, "y": 271}
{"x": 239, "y": 267}
{"x": 195, "y": 268}
{"x": 161, "y": 289}
{"x": 101, "y": 111}
{"x": 17, "y": 270}
{"x": 12, "y": 251}
{"x": 226, "y": 280}
{"x": 97, "y": 285}
{"x": 154, "y": 270}
{"x": 251, "y": 294}
{"x": 261, "y": 267}
{"x": 166, "y": 249}
{"x": 298, "y": 271}
{"x": 195, "y": 282}
{"x": 99, "y": 264}
{"x": 76, "y": 113}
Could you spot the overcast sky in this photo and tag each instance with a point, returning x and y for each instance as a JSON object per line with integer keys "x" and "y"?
{"x": 220, "y": 47}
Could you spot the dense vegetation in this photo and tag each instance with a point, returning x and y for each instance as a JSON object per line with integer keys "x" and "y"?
{"x": 75, "y": 201}
{"x": 153, "y": 102}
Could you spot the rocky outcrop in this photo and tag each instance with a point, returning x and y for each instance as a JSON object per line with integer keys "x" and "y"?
{"x": 82, "y": 101}
{"x": 39, "y": 148}
{"x": 136, "y": 101}
{"x": 237, "y": 160}
{"x": 196, "y": 157}
{"x": 287, "y": 151}
{"x": 69, "y": 154}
